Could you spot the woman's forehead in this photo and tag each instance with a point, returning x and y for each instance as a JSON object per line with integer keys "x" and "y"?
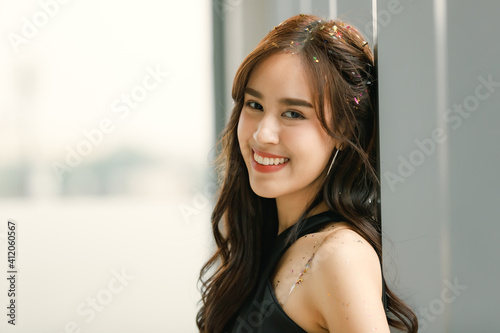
{"x": 282, "y": 73}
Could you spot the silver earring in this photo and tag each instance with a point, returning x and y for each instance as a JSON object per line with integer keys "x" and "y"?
{"x": 331, "y": 164}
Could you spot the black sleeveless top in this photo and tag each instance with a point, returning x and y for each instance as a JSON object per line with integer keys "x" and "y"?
{"x": 261, "y": 312}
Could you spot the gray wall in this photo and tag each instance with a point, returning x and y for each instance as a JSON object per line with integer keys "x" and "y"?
{"x": 439, "y": 154}
{"x": 439, "y": 218}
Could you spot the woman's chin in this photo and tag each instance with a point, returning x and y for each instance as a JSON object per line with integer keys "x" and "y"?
{"x": 264, "y": 192}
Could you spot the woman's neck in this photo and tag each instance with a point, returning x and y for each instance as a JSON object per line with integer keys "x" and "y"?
{"x": 290, "y": 209}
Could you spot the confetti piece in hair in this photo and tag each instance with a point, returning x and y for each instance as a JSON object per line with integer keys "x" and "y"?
{"x": 335, "y": 28}
{"x": 339, "y": 34}
{"x": 356, "y": 100}
{"x": 348, "y": 27}
{"x": 315, "y": 59}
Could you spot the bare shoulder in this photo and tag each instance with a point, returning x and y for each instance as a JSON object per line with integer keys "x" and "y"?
{"x": 342, "y": 241}
{"x": 343, "y": 251}
{"x": 347, "y": 277}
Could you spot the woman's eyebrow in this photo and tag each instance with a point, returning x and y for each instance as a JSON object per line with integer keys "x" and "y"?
{"x": 286, "y": 101}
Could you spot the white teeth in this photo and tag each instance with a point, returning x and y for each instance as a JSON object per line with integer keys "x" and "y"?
{"x": 269, "y": 161}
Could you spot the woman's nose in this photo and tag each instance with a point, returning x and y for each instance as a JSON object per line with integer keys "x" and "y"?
{"x": 267, "y": 131}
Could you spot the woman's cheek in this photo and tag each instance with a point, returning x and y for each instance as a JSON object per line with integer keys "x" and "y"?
{"x": 240, "y": 129}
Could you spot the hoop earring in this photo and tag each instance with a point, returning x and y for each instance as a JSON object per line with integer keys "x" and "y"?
{"x": 331, "y": 164}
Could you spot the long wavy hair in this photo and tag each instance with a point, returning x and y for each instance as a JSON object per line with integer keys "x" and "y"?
{"x": 339, "y": 64}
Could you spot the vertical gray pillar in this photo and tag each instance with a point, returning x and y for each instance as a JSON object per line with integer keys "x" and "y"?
{"x": 439, "y": 83}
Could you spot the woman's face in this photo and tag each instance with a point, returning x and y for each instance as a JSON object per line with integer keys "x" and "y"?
{"x": 280, "y": 136}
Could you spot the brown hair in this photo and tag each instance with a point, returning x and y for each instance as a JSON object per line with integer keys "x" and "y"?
{"x": 340, "y": 67}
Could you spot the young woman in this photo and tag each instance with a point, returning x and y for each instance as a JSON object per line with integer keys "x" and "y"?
{"x": 300, "y": 245}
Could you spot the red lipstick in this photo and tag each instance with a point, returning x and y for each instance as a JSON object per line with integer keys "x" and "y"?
{"x": 267, "y": 168}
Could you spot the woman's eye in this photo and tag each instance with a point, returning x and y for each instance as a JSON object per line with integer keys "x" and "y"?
{"x": 255, "y": 105}
{"x": 293, "y": 115}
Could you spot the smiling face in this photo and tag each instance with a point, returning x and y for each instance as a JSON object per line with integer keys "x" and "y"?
{"x": 283, "y": 144}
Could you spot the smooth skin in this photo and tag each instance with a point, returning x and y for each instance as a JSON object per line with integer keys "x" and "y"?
{"x": 346, "y": 283}
{"x": 279, "y": 117}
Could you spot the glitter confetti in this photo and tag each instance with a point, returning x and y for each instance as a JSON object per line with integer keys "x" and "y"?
{"x": 300, "y": 279}
{"x": 356, "y": 100}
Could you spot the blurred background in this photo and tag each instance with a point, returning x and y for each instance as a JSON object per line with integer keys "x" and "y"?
{"x": 109, "y": 112}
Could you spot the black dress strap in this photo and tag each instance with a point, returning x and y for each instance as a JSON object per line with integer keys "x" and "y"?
{"x": 310, "y": 225}
{"x": 261, "y": 312}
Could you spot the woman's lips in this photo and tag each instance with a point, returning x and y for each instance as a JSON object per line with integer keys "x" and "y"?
{"x": 270, "y": 159}
{"x": 264, "y": 154}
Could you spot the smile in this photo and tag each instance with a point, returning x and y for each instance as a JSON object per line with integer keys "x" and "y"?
{"x": 269, "y": 160}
